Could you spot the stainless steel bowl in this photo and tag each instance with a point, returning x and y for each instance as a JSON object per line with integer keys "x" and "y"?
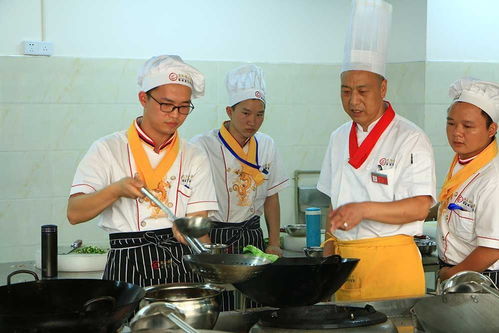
{"x": 425, "y": 245}
{"x": 314, "y": 251}
{"x": 216, "y": 248}
{"x": 296, "y": 230}
{"x": 196, "y": 301}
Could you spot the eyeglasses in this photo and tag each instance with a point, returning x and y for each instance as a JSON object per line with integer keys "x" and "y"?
{"x": 168, "y": 107}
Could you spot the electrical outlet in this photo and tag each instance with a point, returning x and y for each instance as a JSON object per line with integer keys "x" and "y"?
{"x": 38, "y": 48}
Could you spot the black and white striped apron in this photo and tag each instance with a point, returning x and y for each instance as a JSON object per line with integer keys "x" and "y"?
{"x": 147, "y": 258}
{"x": 237, "y": 236}
{"x": 493, "y": 275}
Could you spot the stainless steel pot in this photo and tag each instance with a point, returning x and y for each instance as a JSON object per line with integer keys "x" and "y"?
{"x": 461, "y": 312}
{"x": 197, "y": 301}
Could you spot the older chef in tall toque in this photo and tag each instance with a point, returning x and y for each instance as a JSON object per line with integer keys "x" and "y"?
{"x": 247, "y": 169}
{"x": 145, "y": 249}
{"x": 468, "y": 228}
{"x": 378, "y": 170}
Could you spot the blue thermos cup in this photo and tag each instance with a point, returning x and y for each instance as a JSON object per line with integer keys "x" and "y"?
{"x": 313, "y": 222}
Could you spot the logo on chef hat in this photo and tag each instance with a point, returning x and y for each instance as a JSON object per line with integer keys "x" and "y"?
{"x": 173, "y": 76}
{"x": 258, "y": 94}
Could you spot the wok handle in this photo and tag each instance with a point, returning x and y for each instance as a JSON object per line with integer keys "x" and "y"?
{"x": 9, "y": 277}
{"x": 161, "y": 205}
{"x": 87, "y": 307}
{"x": 182, "y": 324}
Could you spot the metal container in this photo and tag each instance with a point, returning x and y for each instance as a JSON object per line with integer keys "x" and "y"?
{"x": 197, "y": 301}
{"x": 296, "y": 230}
{"x": 425, "y": 245}
{"x": 216, "y": 248}
{"x": 314, "y": 251}
{"x": 460, "y": 312}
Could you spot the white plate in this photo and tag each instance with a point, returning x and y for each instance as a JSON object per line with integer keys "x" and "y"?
{"x": 77, "y": 262}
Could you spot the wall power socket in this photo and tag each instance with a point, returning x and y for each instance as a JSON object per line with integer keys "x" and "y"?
{"x": 40, "y": 48}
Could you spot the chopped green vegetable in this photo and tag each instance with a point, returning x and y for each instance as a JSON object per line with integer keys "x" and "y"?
{"x": 250, "y": 249}
{"x": 90, "y": 250}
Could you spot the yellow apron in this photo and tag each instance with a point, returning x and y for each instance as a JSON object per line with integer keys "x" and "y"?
{"x": 389, "y": 267}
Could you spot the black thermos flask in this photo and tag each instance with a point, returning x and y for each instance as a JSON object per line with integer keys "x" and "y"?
{"x": 49, "y": 251}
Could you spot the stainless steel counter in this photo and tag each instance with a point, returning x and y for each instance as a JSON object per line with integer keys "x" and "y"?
{"x": 7, "y": 268}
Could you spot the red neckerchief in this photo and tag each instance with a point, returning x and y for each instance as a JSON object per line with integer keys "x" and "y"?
{"x": 359, "y": 154}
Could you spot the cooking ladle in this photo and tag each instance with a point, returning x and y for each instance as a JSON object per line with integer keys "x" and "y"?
{"x": 469, "y": 281}
{"x": 191, "y": 227}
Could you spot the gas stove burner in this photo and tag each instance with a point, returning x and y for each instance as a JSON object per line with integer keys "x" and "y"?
{"x": 328, "y": 316}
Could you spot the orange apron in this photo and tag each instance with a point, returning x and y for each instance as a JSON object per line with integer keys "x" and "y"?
{"x": 389, "y": 267}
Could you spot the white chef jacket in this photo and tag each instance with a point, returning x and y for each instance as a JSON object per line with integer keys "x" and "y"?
{"x": 239, "y": 199}
{"x": 403, "y": 154}
{"x": 189, "y": 186}
{"x": 462, "y": 231}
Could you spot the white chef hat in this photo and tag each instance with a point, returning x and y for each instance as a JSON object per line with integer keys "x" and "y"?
{"x": 482, "y": 94}
{"x": 367, "y": 40}
{"x": 170, "y": 69}
{"x": 245, "y": 82}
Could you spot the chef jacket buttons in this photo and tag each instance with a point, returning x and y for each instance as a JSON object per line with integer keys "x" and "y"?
{"x": 173, "y": 177}
{"x": 170, "y": 205}
{"x": 143, "y": 223}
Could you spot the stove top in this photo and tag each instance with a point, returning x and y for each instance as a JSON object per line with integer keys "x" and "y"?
{"x": 323, "y": 318}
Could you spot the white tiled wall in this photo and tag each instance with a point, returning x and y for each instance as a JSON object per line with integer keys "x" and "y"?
{"x": 52, "y": 109}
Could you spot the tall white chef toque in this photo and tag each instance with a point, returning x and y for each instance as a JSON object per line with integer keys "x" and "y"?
{"x": 170, "y": 69}
{"x": 367, "y": 39}
{"x": 245, "y": 82}
{"x": 482, "y": 94}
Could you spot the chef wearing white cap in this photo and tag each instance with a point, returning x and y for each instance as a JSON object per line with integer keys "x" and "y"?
{"x": 378, "y": 170}
{"x": 468, "y": 228}
{"x": 247, "y": 170}
{"x": 145, "y": 249}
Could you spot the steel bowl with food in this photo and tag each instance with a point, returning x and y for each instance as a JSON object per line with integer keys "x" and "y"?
{"x": 197, "y": 301}
{"x": 296, "y": 230}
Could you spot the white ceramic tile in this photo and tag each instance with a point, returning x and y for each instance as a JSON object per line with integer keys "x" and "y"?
{"x": 63, "y": 165}
{"x": 69, "y": 80}
{"x": 406, "y": 82}
{"x": 435, "y": 120}
{"x": 440, "y": 75}
{"x": 26, "y": 175}
{"x": 21, "y": 220}
{"x": 24, "y": 127}
{"x": 201, "y": 120}
{"x": 412, "y": 112}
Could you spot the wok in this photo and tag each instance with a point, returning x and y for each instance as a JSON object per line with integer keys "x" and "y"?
{"x": 459, "y": 312}
{"x": 298, "y": 281}
{"x": 66, "y": 305}
{"x": 226, "y": 268}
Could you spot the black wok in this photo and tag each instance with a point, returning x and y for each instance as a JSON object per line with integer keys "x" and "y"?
{"x": 66, "y": 305}
{"x": 298, "y": 281}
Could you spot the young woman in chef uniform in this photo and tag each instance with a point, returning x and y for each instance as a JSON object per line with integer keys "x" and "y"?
{"x": 468, "y": 217}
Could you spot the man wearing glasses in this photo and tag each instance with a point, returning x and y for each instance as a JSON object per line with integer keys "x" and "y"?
{"x": 247, "y": 170}
{"x": 146, "y": 248}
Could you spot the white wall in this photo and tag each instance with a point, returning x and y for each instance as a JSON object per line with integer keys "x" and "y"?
{"x": 277, "y": 31}
{"x": 463, "y": 30}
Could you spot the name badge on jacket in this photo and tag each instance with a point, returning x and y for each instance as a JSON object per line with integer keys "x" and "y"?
{"x": 379, "y": 178}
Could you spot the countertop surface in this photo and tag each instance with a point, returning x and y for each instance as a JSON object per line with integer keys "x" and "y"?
{"x": 7, "y": 268}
